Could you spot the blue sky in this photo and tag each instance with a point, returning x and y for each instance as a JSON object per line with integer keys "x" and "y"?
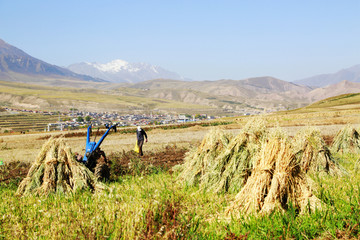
{"x": 201, "y": 40}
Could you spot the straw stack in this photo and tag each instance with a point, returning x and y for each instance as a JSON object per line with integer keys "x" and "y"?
{"x": 275, "y": 181}
{"x": 313, "y": 155}
{"x": 55, "y": 170}
{"x": 283, "y": 179}
{"x": 252, "y": 196}
{"x": 198, "y": 161}
{"x": 347, "y": 140}
{"x": 233, "y": 165}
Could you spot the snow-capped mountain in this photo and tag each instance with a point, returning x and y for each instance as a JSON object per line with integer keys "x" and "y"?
{"x": 121, "y": 71}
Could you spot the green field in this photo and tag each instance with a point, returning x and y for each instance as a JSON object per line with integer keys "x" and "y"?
{"x": 156, "y": 205}
{"x": 342, "y": 102}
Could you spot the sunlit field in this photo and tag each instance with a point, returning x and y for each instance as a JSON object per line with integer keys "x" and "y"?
{"x": 145, "y": 201}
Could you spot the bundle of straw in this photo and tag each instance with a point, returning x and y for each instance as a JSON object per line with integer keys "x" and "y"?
{"x": 232, "y": 167}
{"x": 282, "y": 184}
{"x": 312, "y": 153}
{"x": 305, "y": 200}
{"x": 276, "y": 180}
{"x": 347, "y": 140}
{"x": 256, "y": 128}
{"x": 56, "y": 170}
{"x": 252, "y": 195}
{"x": 200, "y": 159}
{"x": 229, "y": 168}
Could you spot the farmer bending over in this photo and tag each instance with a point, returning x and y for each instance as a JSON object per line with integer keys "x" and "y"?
{"x": 140, "y": 133}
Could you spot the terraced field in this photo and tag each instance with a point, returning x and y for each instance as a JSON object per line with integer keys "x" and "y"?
{"x": 25, "y": 122}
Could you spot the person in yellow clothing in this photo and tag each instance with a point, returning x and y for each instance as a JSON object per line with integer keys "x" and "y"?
{"x": 140, "y": 134}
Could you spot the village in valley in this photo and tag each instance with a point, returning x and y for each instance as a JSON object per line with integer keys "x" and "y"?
{"x": 75, "y": 119}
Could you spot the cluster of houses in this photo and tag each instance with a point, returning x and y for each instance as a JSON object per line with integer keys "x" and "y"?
{"x": 74, "y": 119}
{"x": 83, "y": 119}
{"x": 32, "y": 111}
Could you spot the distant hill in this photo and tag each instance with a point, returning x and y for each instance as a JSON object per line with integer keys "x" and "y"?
{"x": 342, "y": 87}
{"x": 118, "y": 71}
{"x": 351, "y": 74}
{"x": 262, "y": 92}
{"x": 124, "y": 100}
{"x": 248, "y": 88}
{"x": 218, "y": 97}
{"x": 16, "y": 65}
{"x": 349, "y": 101}
{"x": 234, "y": 97}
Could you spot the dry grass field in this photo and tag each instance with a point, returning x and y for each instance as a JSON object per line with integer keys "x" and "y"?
{"x": 25, "y": 147}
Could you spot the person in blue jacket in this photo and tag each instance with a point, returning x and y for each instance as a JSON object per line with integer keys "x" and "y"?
{"x": 140, "y": 134}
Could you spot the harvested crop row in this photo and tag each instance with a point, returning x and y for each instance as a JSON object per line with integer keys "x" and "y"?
{"x": 267, "y": 170}
{"x": 276, "y": 181}
{"x": 56, "y": 170}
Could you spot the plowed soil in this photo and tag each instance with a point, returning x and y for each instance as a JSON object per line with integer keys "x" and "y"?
{"x": 13, "y": 172}
{"x": 123, "y": 163}
{"x": 165, "y": 160}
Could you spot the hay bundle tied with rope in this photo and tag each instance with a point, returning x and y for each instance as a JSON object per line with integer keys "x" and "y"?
{"x": 233, "y": 165}
{"x": 275, "y": 181}
{"x": 347, "y": 140}
{"x": 55, "y": 170}
{"x": 199, "y": 160}
{"x": 313, "y": 155}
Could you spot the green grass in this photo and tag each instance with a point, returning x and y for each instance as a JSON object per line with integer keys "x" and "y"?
{"x": 157, "y": 205}
{"x": 344, "y": 101}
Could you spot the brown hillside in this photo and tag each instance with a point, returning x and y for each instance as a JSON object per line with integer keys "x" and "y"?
{"x": 333, "y": 90}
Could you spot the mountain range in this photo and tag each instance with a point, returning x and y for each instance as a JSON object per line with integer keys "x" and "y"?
{"x": 339, "y": 88}
{"x": 351, "y": 74}
{"x": 120, "y": 78}
{"x": 121, "y": 71}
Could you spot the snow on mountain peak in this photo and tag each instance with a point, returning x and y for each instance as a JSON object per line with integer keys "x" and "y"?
{"x": 154, "y": 69}
{"x": 121, "y": 71}
{"x": 113, "y": 66}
